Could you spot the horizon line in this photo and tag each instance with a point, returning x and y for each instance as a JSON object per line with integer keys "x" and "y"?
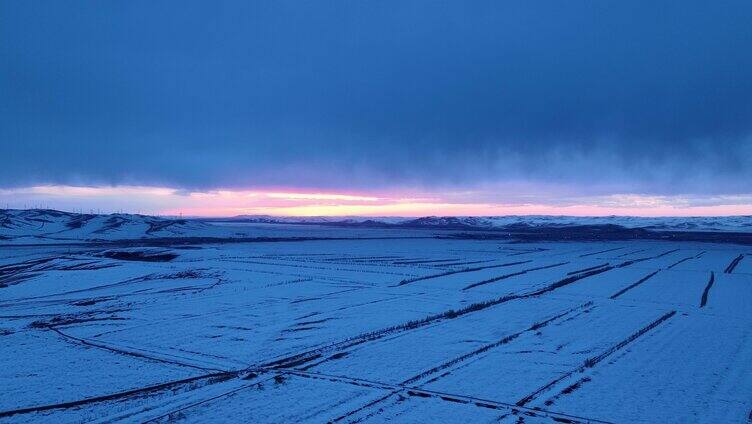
{"x": 304, "y": 217}
{"x": 403, "y": 203}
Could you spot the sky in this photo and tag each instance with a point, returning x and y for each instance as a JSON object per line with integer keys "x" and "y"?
{"x": 377, "y": 108}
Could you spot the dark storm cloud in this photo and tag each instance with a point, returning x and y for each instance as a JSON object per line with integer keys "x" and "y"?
{"x": 611, "y": 96}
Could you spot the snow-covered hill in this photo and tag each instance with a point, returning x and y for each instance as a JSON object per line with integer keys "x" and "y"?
{"x": 50, "y": 226}
{"x": 725, "y": 223}
{"x": 57, "y": 225}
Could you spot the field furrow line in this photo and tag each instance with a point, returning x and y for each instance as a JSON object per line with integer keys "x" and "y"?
{"x": 513, "y": 274}
{"x": 591, "y": 362}
{"x": 458, "y": 271}
{"x": 730, "y": 268}
{"x": 633, "y": 285}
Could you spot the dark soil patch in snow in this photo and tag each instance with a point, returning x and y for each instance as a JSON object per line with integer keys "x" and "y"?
{"x": 15, "y": 279}
{"x": 160, "y": 225}
{"x": 704, "y": 298}
{"x": 679, "y": 262}
{"x": 140, "y": 256}
{"x": 296, "y": 329}
{"x": 634, "y": 261}
{"x": 567, "y": 390}
{"x": 631, "y": 286}
{"x": 111, "y": 223}
{"x": 90, "y": 302}
{"x": 339, "y": 355}
{"x": 602, "y": 251}
{"x": 587, "y": 269}
{"x": 318, "y": 321}
{"x": 79, "y": 221}
{"x": 730, "y": 268}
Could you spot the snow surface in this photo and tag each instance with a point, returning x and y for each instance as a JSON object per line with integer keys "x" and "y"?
{"x": 366, "y": 327}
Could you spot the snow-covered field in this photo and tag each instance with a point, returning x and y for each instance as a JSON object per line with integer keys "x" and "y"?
{"x": 371, "y": 325}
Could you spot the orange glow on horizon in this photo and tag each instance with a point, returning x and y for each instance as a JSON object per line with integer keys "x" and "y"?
{"x": 450, "y": 209}
{"x": 292, "y": 202}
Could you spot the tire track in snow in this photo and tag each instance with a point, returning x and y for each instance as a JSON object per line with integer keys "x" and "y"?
{"x": 320, "y": 268}
{"x": 364, "y": 407}
{"x": 424, "y": 261}
{"x": 567, "y": 390}
{"x": 448, "y": 364}
{"x": 631, "y": 253}
{"x": 505, "y": 340}
{"x": 602, "y": 251}
{"x": 647, "y": 258}
{"x": 133, "y": 353}
{"x": 317, "y": 353}
{"x": 171, "y": 385}
{"x": 591, "y": 362}
{"x": 172, "y": 414}
{"x": 451, "y": 264}
{"x": 458, "y": 271}
{"x": 420, "y": 393}
{"x": 514, "y": 274}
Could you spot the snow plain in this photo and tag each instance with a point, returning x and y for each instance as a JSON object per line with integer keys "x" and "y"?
{"x": 374, "y": 325}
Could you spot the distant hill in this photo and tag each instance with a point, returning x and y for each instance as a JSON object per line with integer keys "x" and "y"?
{"x": 51, "y": 226}
{"x": 57, "y": 225}
{"x": 726, "y": 224}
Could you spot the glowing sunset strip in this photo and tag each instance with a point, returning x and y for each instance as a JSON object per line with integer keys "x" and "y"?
{"x": 226, "y": 202}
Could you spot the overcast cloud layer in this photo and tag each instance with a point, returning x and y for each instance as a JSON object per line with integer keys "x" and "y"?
{"x": 602, "y": 97}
